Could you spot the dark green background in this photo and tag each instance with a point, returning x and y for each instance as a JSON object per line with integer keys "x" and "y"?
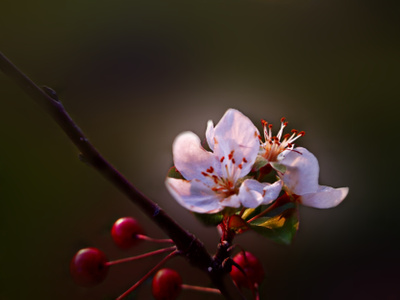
{"x": 134, "y": 74}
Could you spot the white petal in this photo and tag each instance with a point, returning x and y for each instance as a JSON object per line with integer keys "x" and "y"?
{"x": 194, "y": 195}
{"x": 271, "y": 191}
{"x": 191, "y": 159}
{"x": 302, "y": 171}
{"x": 325, "y": 197}
{"x": 231, "y": 201}
{"x": 253, "y": 193}
{"x": 235, "y": 132}
{"x": 210, "y": 134}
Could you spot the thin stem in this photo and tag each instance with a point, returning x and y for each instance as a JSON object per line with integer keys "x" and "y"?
{"x": 144, "y": 278}
{"x": 273, "y": 205}
{"x": 123, "y": 260}
{"x": 200, "y": 289}
{"x": 149, "y": 239}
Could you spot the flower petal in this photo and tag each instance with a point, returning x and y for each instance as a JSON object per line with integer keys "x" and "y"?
{"x": 191, "y": 159}
{"x": 325, "y": 197}
{"x": 302, "y": 171}
{"x": 231, "y": 201}
{"x": 194, "y": 195}
{"x": 271, "y": 191}
{"x": 210, "y": 134}
{"x": 253, "y": 193}
{"x": 236, "y": 139}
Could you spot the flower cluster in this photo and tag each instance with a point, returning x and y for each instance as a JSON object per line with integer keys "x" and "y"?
{"x": 229, "y": 175}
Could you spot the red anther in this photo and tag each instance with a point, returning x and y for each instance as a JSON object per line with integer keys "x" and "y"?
{"x": 230, "y": 156}
{"x": 88, "y": 267}
{"x": 252, "y": 268}
{"x": 210, "y": 169}
{"x": 215, "y": 177}
{"x": 283, "y": 119}
{"x": 294, "y": 131}
{"x": 286, "y": 136}
{"x": 244, "y": 160}
{"x": 222, "y": 159}
{"x": 270, "y": 126}
{"x": 240, "y": 166}
{"x": 233, "y": 161}
{"x": 124, "y": 232}
{"x": 264, "y": 123}
{"x": 285, "y": 124}
{"x": 302, "y": 133}
{"x": 204, "y": 174}
{"x": 166, "y": 285}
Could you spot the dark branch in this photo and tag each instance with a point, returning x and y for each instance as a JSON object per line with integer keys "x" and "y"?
{"x": 187, "y": 243}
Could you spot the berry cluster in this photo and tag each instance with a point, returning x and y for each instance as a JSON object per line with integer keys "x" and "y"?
{"x": 90, "y": 266}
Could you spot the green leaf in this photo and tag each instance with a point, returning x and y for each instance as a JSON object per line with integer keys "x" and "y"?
{"x": 210, "y": 219}
{"x": 280, "y": 209}
{"x": 174, "y": 173}
{"x": 259, "y": 163}
{"x": 251, "y": 212}
{"x": 279, "y": 167}
{"x": 281, "y": 228}
{"x": 248, "y": 212}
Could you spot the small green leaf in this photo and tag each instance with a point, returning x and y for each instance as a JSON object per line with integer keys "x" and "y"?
{"x": 280, "y": 209}
{"x": 279, "y": 167}
{"x": 247, "y": 213}
{"x": 210, "y": 219}
{"x": 259, "y": 163}
{"x": 281, "y": 228}
{"x": 251, "y": 212}
{"x": 174, "y": 173}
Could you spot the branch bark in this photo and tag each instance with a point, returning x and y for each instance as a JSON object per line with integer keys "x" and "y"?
{"x": 187, "y": 243}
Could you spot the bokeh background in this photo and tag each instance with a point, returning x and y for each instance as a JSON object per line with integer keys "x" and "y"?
{"x": 134, "y": 74}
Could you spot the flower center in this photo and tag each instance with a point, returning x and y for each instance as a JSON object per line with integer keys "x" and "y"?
{"x": 227, "y": 185}
{"x": 274, "y": 145}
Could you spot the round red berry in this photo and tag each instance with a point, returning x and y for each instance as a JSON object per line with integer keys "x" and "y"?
{"x": 252, "y": 267}
{"x": 88, "y": 267}
{"x": 166, "y": 285}
{"x": 124, "y": 232}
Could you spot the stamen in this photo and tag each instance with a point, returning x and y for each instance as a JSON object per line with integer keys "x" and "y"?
{"x": 230, "y": 156}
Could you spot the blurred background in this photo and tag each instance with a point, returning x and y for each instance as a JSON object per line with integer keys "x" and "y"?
{"x": 134, "y": 74}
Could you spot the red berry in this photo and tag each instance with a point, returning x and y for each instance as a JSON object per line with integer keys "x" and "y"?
{"x": 251, "y": 266}
{"x": 88, "y": 267}
{"x": 124, "y": 232}
{"x": 166, "y": 285}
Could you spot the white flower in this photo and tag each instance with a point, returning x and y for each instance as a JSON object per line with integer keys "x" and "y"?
{"x": 215, "y": 180}
{"x": 301, "y": 179}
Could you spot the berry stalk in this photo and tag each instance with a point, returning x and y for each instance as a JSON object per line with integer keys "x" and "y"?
{"x": 145, "y": 277}
{"x": 128, "y": 259}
